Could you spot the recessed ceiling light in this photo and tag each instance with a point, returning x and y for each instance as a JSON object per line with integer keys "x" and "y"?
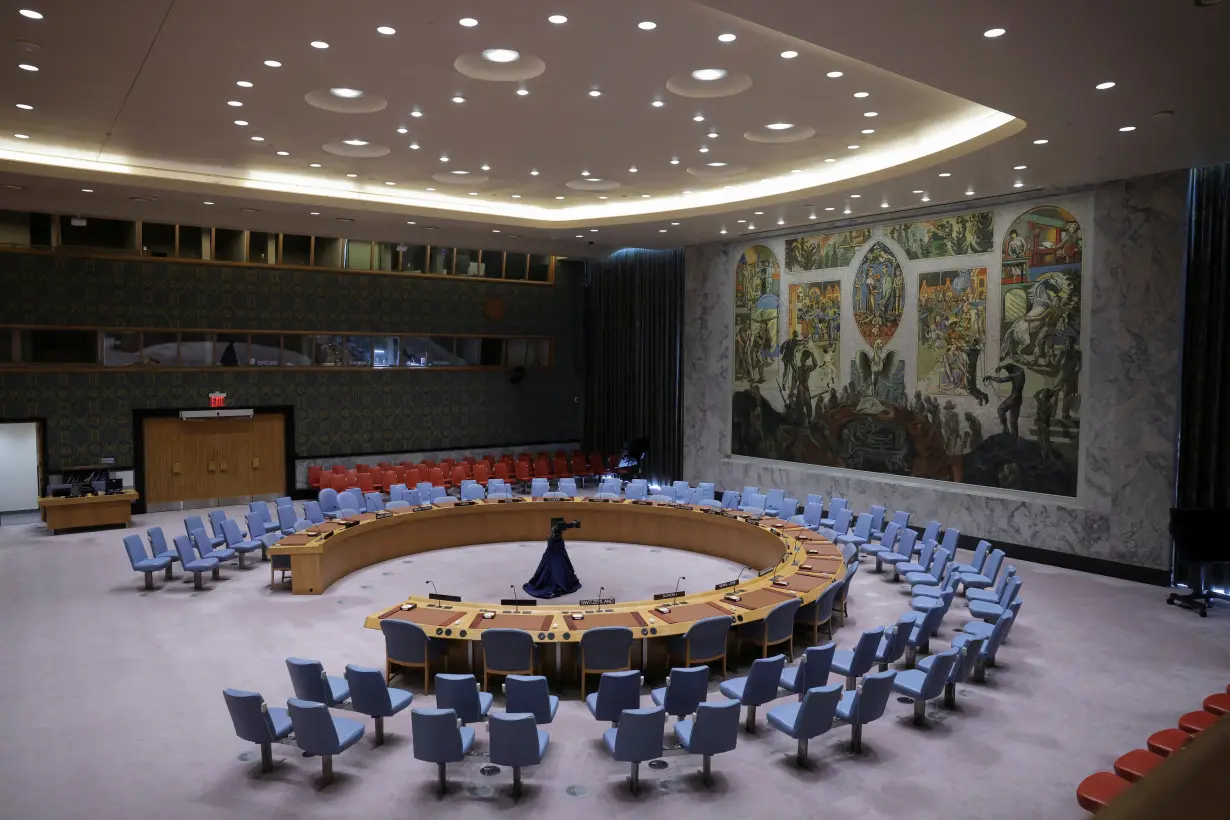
{"x": 387, "y": 31}
{"x": 319, "y": 44}
{"x": 789, "y": 55}
{"x": 403, "y": 130}
{"x": 604, "y": 197}
{"x": 781, "y": 222}
{"x": 994, "y": 32}
{"x": 313, "y": 164}
{"x": 1019, "y": 167}
{"x": 716, "y": 164}
{"x": 495, "y": 230}
{"x": 207, "y": 203}
{"x": 830, "y": 208}
{"x": 708, "y": 75}
{"x": 726, "y": 38}
{"x": 712, "y": 135}
{"x": 723, "y": 231}
{"x": 969, "y": 192}
{"x": 473, "y": 193}
{"x": 33, "y": 15}
{"x": 431, "y": 189}
{"x": 585, "y": 173}
{"x": 444, "y": 158}
{"x": 918, "y": 192}
{"x": 751, "y": 227}
{"x": 847, "y": 211}
{"x": 673, "y": 223}
{"x": 861, "y": 94}
{"x": 1018, "y": 185}
{"x": 534, "y": 172}
{"x": 675, "y": 161}
{"x": 869, "y": 130}
{"x": 830, "y": 159}
{"x": 87, "y": 190}
{"x": 283, "y": 153}
{"x": 516, "y": 196}
{"x": 757, "y": 213}
{"x": 779, "y": 126}
{"x": 558, "y": 19}
{"x": 27, "y": 67}
{"x": 241, "y": 122}
{"x": 593, "y": 92}
{"x": 926, "y": 199}
{"x": 559, "y": 197}
{"x": 355, "y": 142}
{"x": 501, "y": 55}
{"x": 459, "y": 99}
{"x": 644, "y": 196}
{"x": 945, "y": 174}
{"x": 657, "y": 103}
{"x": 273, "y": 64}
{"x": 346, "y": 93}
{"x": 314, "y": 213}
{"x": 647, "y": 25}
{"x": 468, "y": 22}
{"x": 411, "y": 222}
{"x": 521, "y": 92}
{"x": 856, "y": 196}
{"x": 796, "y": 170}
{"x": 25, "y": 107}
{"x": 871, "y": 113}
{"x": 703, "y": 150}
{"x": 632, "y": 170}
{"x": 234, "y": 103}
{"x": 352, "y": 176}
{"x": 1104, "y": 86}
{"x": 243, "y": 84}
{"x": 852, "y": 147}
{"x": 883, "y": 204}
{"x": 740, "y": 221}
{"x": 580, "y": 236}
{"x": 812, "y": 216}
{"x": 485, "y": 167}
{"x": 414, "y": 146}
{"x": 1041, "y": 142}
{"x": 416, "y": 113}
{"x": 687, "y": 193}
{"x": 459, "y": 172}
{"x": 258, "y": 139}
{"x": 833, "y": 75}
{"x": 390, "y": 183}
{"x": 1128, "y": 128}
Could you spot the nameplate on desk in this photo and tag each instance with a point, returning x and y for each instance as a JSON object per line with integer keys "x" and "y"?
{"x": 662, "y": 596}
{"x": 640, "y": 501}
{"x": 350, "y": 522}
{"x": 383, "y": 514}
{"x": 463, "y": 504}
{"x": 765, "y": 572}
{"x": 598, "y": 500}
{"x": 753, "y": 521}
{"x": 775, "y": 531}
{"x": 440, "y": 596}
{"x": 726, "y": 584}
{"x": 424, "y": 508}
{"x": 813, "y": 552}
{"x": 715, "y": 511}
{"x": 505, "y": 500}
{"x": 596, "y": 602}
{"x": 518, "y": 602}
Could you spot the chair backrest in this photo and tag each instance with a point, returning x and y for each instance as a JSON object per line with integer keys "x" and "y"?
{"x": 369, "y": 694}
{"x": 193, "y": 522}
{"x": 327, "y": 498}
{"x": 607, "y": 647}
{"x": 730, "y": 500}
{"x": 940, "y": 562}
{"x": 286, "y": 517}
{"x": 640, "y": 734}
{"x": 773, "y": 498}
{"x": 877, "y": 517}
{"x": 1010, "y": 590}
{"x": 892, "y": 645}
{"x": 404, "y": 641}
{"x": 315, "y": 732}
{"x": 812, "y": 513}
{"x": 372, "y": 502}
{"x": 872, "y": 698}
{"x": 158, "y": 541}
{"x": 617, "y": 691}
{"x": 788, "y": 508}
{"x": 925, "y": 556}
{"x": 459, "y": 693}
{"x": 367, "y": 482}
{"x": 905, "y": 542}
{"x": 841, "y": 522}
{"x": 561, "y": 464}
{"x": 283, "y": 501}
{"x": 135, "y": 549}
{"x": 888, "y": 538}
{"x": 865, "y": 651}
{"x": 991, "y": 569}
{"x": 763, "y": 681}
{"x": 437, "y": 738}
{"x": 694, "y": 496}
{"x": 230, "y": 530}
{"x": 930, "y": 622}
{"x": 637, "y": 490}
{"x": 256, "y": 527}
{"x": 539, "y": 487}
{"x": 951, "y": 536}
{"x": 514, "y": 739}
{"x": 390, "y": 477}
{"x": 932, "y": 532}
{"x": 814, "y": 666}
{"x": 249, "y": 715}
{"x": 662, "y": 498}
{"x": 312, "y": 512}
{"x": 862, "y": 527}
{"x": 707, "y": 637}
{"x": 779, "y": 623}
{"x": 482, "y": 473}
{"x": 507, "y": 650}
{"x": 530, "y": 694}
{"x": 748, "y": 492}
{"x": 937, "y": 674}
{"x": 716, "y": 728}
{"x": 216, "y": 517}
{"x": 901, "y": 518}
{"x": 436, "y": 476}
{"x": 826, "y": 601}
{"x": 980, "y": 555}
{"x": 838, "y": 504}
{"x": 201, "y": 541}
{"x": 568, "y": 486}
{"x": 351, "y": 500}
{"x": 308, "y": 679}
{"x": 686, "y": 688}
{"x": 459, "y": 474}
{"x": 816, "y": 713}
{"x": 473, "y": 492}
{"x": 579, "y": 465}
{"x": 1002, "y": 625}
{"x": 262, "y": 508}
{"x": 183, "y": 547}
{"x": 999, "y": 586}
{"x": 964, "y": 667}
{"x": 681, "y": 490}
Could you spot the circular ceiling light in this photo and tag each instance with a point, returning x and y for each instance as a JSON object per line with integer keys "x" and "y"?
{"x": 273, "y": 64}
{"x": 852, "y": 147}
{"x": 647, "y": 25}
{"x": 403, "y": 130}
{"x": 257, "y": 139}
{"x": 585, "y": 173}
{"x": 416, "y": 113}
{"x": 992, "y": 33}
{"x": 716, "y": 164}
{"x": 698, "y": 118}
{"x": 1127, "y": 128}
{"x": 313, "y": 164}
{"x": 726, "y": 38}
{"x": 25, "y": 107}
{"x": 917, "y": 192}
{"x": 355, "y": 142}
{"x": 207, "y": 203}
{"x": 708, "y": 74}
{"x": 22, "y": 136}
{"x": 468, "y": 22}
{"x": 779, "y": 126}
{"x": 319, "y": 44}
{"x": 485, "y": 167}
{"x": 459, "y": 99}
{"x": 945, "y": 174}
{"x": 444, "y": 158}
{"x": 632, "y": 170}
{"x": 234, "y": 103}
{"x": 557, "y": 19}
{"x": 1018, "y": 185}
{"x": 856, "y": 196}
{"x": 283, "y": 153}
{"x": 414, "y": 146}
{"x": 241, "y": 122}
{"x": 33, "y": 15}
{"x": 1019, "y": 167}
{"x": 657, "y": 103}
{"x": 703, "y": 149}
{"x": 534, "y": 172}
{"x": 674, "y": 160}
{"x": 387, "y": 31}
{"x": 593, "y": 92}
{"x": 359, "y": 149}
{"x": 243, "y": 84}
{"x": 830, "y": 159}
{"x": 789, "y": 55}
{"x": 712, "y": 135}
{"x": 390, "y": 183}
{"x": 346, "y": 93}
{"x": 515, "y": 196}
{"x": 1041, "y": 142}
{"x": 501, "y": 55}
{"x": 521, "y": 92}
{"x": 833, "y": 75}
{"x": 861, "y": 94}
{"x": 1104, "y": 86}
{"x": 559, "y": 197}
{"x": 352, "y": 176}
{"x": 869, "y": 130}
{"x": 27, "y": 67}
{"x": 458, "y": 171}
{"x": 871, "y": 113}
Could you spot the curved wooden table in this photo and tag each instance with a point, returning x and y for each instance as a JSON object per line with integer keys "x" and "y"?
{"x": 798, "y": 563}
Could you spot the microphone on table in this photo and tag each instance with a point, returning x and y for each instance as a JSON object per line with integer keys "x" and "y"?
{"x": 513, "y": 587}
{"x": 740, "y": 575}
{"x": 433, "y": 586}
{"x": 681, "y": 578}
{"x": 600, "y": 598}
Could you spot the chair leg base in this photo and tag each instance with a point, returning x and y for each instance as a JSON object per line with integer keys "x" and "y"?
{"x": 920, "y": 712}
{"x": 516, "y": 782}
{"x": 379, "y": 731}
{"x": 800, "y": 756}
{"x": 856, "y": 739}
{"x": 197, "y": 583}
{"x": 443, "y": 782}
{"x": 149, "y": 580}
{"x": 950, "y": 696}
{"x": 266, "y": 758}
{"x": 750, "y": 725}
{"x": 217, "y": 573}
{"x": 167, "y": 573}
{"x": 326, "y": 769}
{"x": 242, "y": 565}
{"x": 706, "y": 773}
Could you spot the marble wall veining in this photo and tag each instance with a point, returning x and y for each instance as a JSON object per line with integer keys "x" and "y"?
{"x": 1129, "y": 399}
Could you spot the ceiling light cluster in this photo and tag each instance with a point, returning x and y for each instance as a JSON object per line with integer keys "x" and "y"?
{"x": 708, "y": 74}
{"x": 501, "y": 55}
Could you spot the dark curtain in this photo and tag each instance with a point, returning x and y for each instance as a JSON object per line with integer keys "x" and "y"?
{"x": 633, "y": 346}
{"x": 1204, "y": 417}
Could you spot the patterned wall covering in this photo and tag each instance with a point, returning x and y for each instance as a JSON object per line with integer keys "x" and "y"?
{"x": 89, "y": 414}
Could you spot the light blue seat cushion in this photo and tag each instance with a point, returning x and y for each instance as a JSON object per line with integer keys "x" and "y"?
{"x": 467, "y": 739}
{"x": 789, "y": 675}
{"x": 399, "y": 699}
{"x": 338, "y": 688}
{"x": 842, "y": 659}
{"x": 909, "y": 682}
{"x": 927, "y": 590}
{"x": 281, "y": 722}
{"x": 921, "y": 603}
{"x": 348, "y": 732}
{"x": 484, "y": 702}
{"x": 985, "y": 610}
{"x": 733, "y": 689}
{"x": 150, "y": 564}
{"x": 201, "y": 564}
{"x": 845, "y": 706}
{"x": 979, "y": 629}
{"x": 851, "y": 539}
{"x": 988, "y": 595}
{"x": 221, "y": 553}
{"x": 783, "y": 717}
{"x": 918, "y": 577}
{"x": 976, "y": 581}
{"x": 247, "y": 546}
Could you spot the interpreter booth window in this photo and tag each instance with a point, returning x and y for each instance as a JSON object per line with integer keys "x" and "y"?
{"x": 296, "y": 249}
{"x": 121, "y": 348}
{"x": 265, "y": 350}
{"x": 330, "y": 351}
{"x": 540, "y": 268}
{"x": 440, "y": 260}
{"x": 231, "y": 350}
{"x": 414, "y": 259}
{"x": 298, "y": 350}
{"x": 359, "y": 351}
{"x": 386, "y": 351}
{"x": 159, "y": 349}
{"x": 157, "y": 239}
{"x": 470, "y": 350}
{"x": 493, "y": 264}
{"x": 196, "y": 349}
{"x": 516, "y": 265}
{"x": 441, "y": 352}
{"x": 468, "y": 264}
{"x": 59, "y": 346}
{"x": 413, "y": 351}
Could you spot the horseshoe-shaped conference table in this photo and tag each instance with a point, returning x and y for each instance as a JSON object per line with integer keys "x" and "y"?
{"x": 785, "y": 561}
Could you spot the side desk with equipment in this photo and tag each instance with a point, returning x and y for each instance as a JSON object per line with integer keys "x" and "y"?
{"x": 99, "y": 510}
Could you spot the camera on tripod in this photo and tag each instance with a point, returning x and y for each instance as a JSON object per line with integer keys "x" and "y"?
{"x": 558, "y": 525}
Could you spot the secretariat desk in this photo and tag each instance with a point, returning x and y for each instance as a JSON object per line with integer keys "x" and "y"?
{"x": 87, "y": 511}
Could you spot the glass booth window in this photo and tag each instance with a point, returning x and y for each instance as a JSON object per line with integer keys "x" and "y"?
{"x": 196, "y": 349}
{"x": 385, "y": 351}
{"x": 265, "y": 351}
{"x": 121, "y": 348}
{"x": 298, "y": 350}
{"x": 359, "y": 351}
{"x": 329, "y": 351}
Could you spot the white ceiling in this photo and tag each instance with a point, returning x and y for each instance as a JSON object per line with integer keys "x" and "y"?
{"x": 131, "y": 100}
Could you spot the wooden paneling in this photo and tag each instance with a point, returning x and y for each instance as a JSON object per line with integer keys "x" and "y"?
{"x": 268, "y": 454}
{"x": 214, "y": 458}
{"x": 164, "y": 460}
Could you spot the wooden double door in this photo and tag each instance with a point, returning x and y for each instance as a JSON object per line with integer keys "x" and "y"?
{"x": 214, "y": 459}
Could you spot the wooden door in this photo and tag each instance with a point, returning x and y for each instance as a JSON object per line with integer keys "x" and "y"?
{"x": 267, "y": 454}
{"x": 205, "y": 459}
{"x": 164, "y": 460}
{"x": 229, "y": 444}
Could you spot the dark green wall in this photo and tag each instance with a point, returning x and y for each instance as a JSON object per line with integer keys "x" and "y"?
{"x": 89, "y": 414}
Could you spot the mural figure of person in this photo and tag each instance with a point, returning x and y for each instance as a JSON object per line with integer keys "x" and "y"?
{"x": 1016, "y": 247}
{"x": 917, "y": 406}
{"x": 1069, "y": 377}
{"x": 832, "y": 402}
{"x": 1043, "y": 416}
{"x": 971, "y": 375}
{"x": 1069, "y": 242}
{"x": 789, "y": 349}
{"x": 898, "y": 288}
{"x": 952, "y": 428}
{"x": 764, "y": 348}
{"x": 965, "y": 442}
{"x": 1010, "y": 408}
{"x": 975, "y": 430}
{"x": 933, "y": 413}
{"x": 802, "y": 386}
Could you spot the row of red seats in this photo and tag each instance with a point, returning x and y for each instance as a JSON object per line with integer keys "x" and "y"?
{"x": 1098, "y": 789}
{"x": 450, "y": 473}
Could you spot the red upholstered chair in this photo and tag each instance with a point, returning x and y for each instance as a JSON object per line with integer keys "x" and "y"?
{"x": 596, "y": 467}
{"x": 489, "y": 458}
{"x": 1196, "y": 722}
{"x": 339, "y": 469}
{"x": 1168, "y": 741}
{"x": 579, "y": 468}
{"x": 366, "y": 483}
{"x": 481, "y": 473}
{"x": 413, "y": 477}
{"x": 1218, "y": 704}
{"x": 448, "y": 462}
{"x": 523, "y": 473}
{"x": 612, "y": 462}
{"x": 408, "y": 464}
{"x": 526, "y": 457}
{"x": 352, "y": 478}
{"x": 468, "y": 460}
{"x": 542, "y": 469}
{"x": 390, "y": 478}
{"x": 399, "y": 473}
{"x": 1137, "y": 763}
{"x": 458, "y": 475}
{"x": 1098, "y": 789}
{"x": 500, "y": 471}
{"x": 561, "y": 468}
{"x": 561, "y": 454}
{"x": 436, "y": 477}
{"x": 363, "y": 468}
{"x": 384, "y": 465}
{"x": 340, "y": 483}
{"x": 428, "y": 462}
{"x": 314, "y": 474}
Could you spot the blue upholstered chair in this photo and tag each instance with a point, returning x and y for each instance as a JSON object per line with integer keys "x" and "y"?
{"x": 835, "y": 507}
{"x": 438, "y": 493}
{"x": 313, "y": 513}
{"x": 924, "y": 686}
{"x": 975, "y": 564}
{"x": 425, "y": 488}
{"x": 993, "y": 638}
{"x": 839, "y": 525}
{"x": 158, "y": 546}
{"x": 928, "y": 575}
{"x": 815, "y": 498}
{"x": 604, "y": 649}
{"x": 944, "y": 592}
{"x": 327, "y": 499}
{"x": 860, "y": 534}
{"x": 142, "y": 562}
{"x": 788, "y": 509}
{"x": 901, "y": 518}
{"x": 884, "y": 542}
{"x": 350, "y": 501}
{"x": 753, "y": 504}
{"x": 661, "y": 498}
{"x": 609, "y": 488}
{"x": 539, "y": 487}
{"x": 283, "y": 501}
{"x": 461, "y": 694}
{"x": 952, "y": 536}
{"x": 372, "y": 502}
{"x": 236, "y": 542}
{"x": 508, "y": 652}
{"x": 855, "y": 663}
{"x": 990, "y": 595}
{"x": 281, "y": 563}
{"x": 849, "y": 554}
{"x": 707, "y": 487}
{"x": 776, "y": 627}
{"x": 516, "y": 741}
{"x": 256, "y": 722}
{"x": 989, "y": 574}
{"x": 926, "y": 624}
{"x": 529, "y": 694}
{"x": 193, "y": 522}
{"x": 681, "y": 490}
{"x": 191, "y": 563}
{"x": 813, "y": 511}
{"x": 686, "y": 688}
{"x": 863, "y": 705}
{"x": 877, "y": 520}
{"x": 893, "y": 643}
{"x": 638, "y": 489}
{"x": 310, "y": 682}
{"x": 398, "y": 499}
{"x": 497, "y": 489}
{"x": 439, "y": 738}
{"x": 773, "y": 501}
{"x": 216, "y": 517}
{"x": 812, "y": 671}
{"x": 473, "y": 492}
{"x": 319, "y": 733}
{"x": 930, "y": 533}
{"x": 730, "y": 500}
{"x": 924, "y": 563}
{"x": 807, "y": 718}
{"x": 407, "y": 645}
{"x": 637, "y": 738}
{"x": 901, "y": 553}
{"x": 617, "y": 691}
{"x": 968, "y": 648}
{"x": 748, "y": 492}
{"x": 843, "y": 594}
{"x": 262, "y": 509}
{"x": 371, "y": 696}
{"x": 714, "y": 731}
{"x": 990, "y": 611}
{"x": 202, "y": 542}
{"x": 757, "y": 688}
{"x": 704, "y": 642}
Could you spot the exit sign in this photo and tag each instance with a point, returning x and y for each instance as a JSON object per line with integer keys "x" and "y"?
{"x": 217, "y": 400}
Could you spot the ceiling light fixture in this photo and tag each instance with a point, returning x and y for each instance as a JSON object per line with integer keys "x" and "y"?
{"x": 830, "y": 208}
{"x": 1018, "y": 185}
{"x": 27, "y": 67}
{"x": 869, "y": 130}
{"x": 871, "y": 113}
{"x": 243, "y": 83}
{"x": 557, "y": 19}
{"x": 444, "y": 158}
{"x": 390, "y": 183}
{"x": 883, "y": 204}
{"x": 781, "y": 222}
{"x": 416, "y": 113}
{"x": 812, "y": 216}
{"x": 495, "y": 230}
{"x": 833, "y": 75}
{"x": 411, "y": 222}
{"x": 856, "y": 196}
{"x": 593, "y": 92}
{"x": 283, "y": 153}
{"x": 33, "y": 15}
{"x": 712, "y": 135}
{"x": 241, "y": 122}
{"x": 698, "y": 118}
{"x": 657, "y": 103}
{"x": 313, "y": 164}
{"x": 431, "y": 189}
{"x": 708, "y": 75}
{"x": 829, "y": 159}
{"x": 459, "y": 99}
{"x": 632, "y": 170}
{"x": 644, "y": 196}
{"x": 726, "y": 38}
{"x": 604, "y": 197}
{"x": 585, "y": 173}
{"x": 917, "y": 191}
{"x": 703, "y": 150}
{"x": 313, "y": 213}
{"x": 779, "y": 126}
{"x": 862, "y": 94}
{"x": 414, "y": 146}
{"x": 234, "y": 103}
{"x": 403, "y": 130}
{"x": 796, "y": 170}
{"x": 501, "y": 55}
{"x": 559, "y": 197}
{"x": 926, "y": 199}
{"x": 87, "y": 190}
{"x": 789, "y": 55}
{"x": 757, "y": 213}
{"x": 207, "y": 203}
{"x": 852, "y": 147}
{"x": 1019, "y": 167}
{"x": 522, "y": 92}
{"x": 740, "y": 221}
{"x": 468, "y": 22}
{"x": 273, "y": 64}
{"x": 970, "y": 192}
{"x": 459, "y": 172}
{"x": 516, "y": 196}
{"x": 992, "y": 33}
{"x": 355, "y": 142}
{"x": 716, "y": 164}
{"x": 1041, "y": 142}
{"x": 674, "y": 160}
{"x": 647, "y": 25}
{"x": 1127, "y": 128}
{"x": 346, "y": 93}
{"x": 534, "y": 172}
{"x": 945, "y": 174}
{"x": 258, "y": 139}
{"x": 25, "y": 107}
{"x": 473, "y": 193}
{"x": 319, "y": 44}
{"x": 1104, "y": 86}
{"x": 485, "y": 167}
{"x": 387, "y": 31}
{"x": 352, "y": 176}
{"x": 723, "y": 231}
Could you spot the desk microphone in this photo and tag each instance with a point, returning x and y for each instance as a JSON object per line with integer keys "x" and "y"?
{"x": 433, "y": 586}
{"x": 600, "y": 598}
{"x": 740, "y": 575}
{"x": 513, "y": 587}
{"x": 681, "y": 578}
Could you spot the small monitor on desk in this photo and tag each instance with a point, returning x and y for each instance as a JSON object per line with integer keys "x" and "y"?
{"x": 115, "y": 485}
{"x": 59, "y": 490}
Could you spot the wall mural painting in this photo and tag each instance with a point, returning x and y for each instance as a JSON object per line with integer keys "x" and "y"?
{"x": 825, "y": 250}
{"x": 947, "y": 236}
{"x": 1011, "y": 423}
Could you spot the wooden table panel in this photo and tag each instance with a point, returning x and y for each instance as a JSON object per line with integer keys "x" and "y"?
{"x": 87, "y": 511}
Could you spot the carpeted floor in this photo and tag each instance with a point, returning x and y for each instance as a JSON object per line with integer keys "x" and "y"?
{"x": 112, "y": 704}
